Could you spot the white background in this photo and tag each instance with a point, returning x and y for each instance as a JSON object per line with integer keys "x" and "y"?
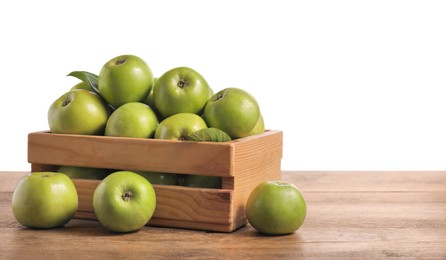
{"x": 354, "y": 85}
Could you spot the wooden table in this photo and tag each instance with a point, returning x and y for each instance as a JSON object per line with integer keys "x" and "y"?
{"x": 350, "y": 215}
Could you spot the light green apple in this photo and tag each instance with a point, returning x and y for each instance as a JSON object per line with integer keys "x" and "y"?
{"x": 160, "y": 178}
{"x": 76, "y": 172}
{"x": 123, "y": 79}
{"x": 44, "y": 200}
{"x": 124, "y": 201}
{"x": 181, "y": 90}
{"x": 276, "y": 208}
{"x": 259, "y": 127}
{"x": 133, "y": 119}
{"x": 78, "y": 112}
{"x": 233, "y": 111}
{"x": 82, "y": 85}
{"x": 179, "y": 126}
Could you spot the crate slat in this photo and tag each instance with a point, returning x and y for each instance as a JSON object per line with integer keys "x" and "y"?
{"x": 242, "y": 164}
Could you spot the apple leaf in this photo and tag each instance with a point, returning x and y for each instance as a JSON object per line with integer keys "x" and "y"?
{"x": 210, "y": 134}
{"x": 87, "y": 77}
{"x": 92, "y": 80}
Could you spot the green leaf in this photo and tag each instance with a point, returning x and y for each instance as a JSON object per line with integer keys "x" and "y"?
{"x": 87, "y": 77}
{"x": 209, "y": 135}
{"x": 92, "y": 80}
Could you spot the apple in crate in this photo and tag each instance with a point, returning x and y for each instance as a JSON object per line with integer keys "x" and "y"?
{"x": 124, "y": 201}
{"x": 179, "y": 126}
{"x": 233, "y": 111}
{"x": 160, "y": 178}
{"x": 82, "y": 85}
{"x": 199, "y": 181}
{"x": 44, "y": 200}
{"x": 76, "y": 172}
{"x": 133, "y": 119}
{"x": 181, "y": 90}
{"x": 78, "y": 112}
{"x": 123, "y": 79}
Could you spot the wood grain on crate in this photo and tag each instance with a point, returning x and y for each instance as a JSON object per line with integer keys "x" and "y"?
{"x": 242, "y": 164}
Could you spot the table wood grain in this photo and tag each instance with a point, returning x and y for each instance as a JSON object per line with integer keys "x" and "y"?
{"x": 355, "y": 215}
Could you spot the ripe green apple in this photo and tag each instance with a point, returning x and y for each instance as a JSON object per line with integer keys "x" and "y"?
{"x": 123, "y": 79}
{"x": 132, "y": 119}
{"x": 200, "y": 181}
{"x": 124, "y": 201}
{"x": 149, "y": 100}
{"x": 78, "y": 112}
{"x": 179, "y": 126}
{"x": 151, "y": 103}
{"x": 259, "y": 127}
{"x": 44, "y": 200}
{"x": 276, "y": 208}
{"x": 233, "y": 111}
{"x": 82, "y": 85}
{"x": 181, "y": 90}
{"x": 159, "y": 177}
{"x": 83, "y": 172}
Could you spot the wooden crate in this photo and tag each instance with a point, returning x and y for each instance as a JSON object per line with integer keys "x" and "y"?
{"x": 242, "y": 164}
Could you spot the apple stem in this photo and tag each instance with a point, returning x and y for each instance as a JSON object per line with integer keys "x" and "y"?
{"x": 220, "y": 96}
{"x": 127, "y": 196}
{"x": 66, "y": 102}
{"x": 120, "y": 61}
{"x": 182, "y": 83}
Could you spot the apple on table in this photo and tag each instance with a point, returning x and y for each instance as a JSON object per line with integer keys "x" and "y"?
{"x": 124, "y": 201}
{"x": 276, "y": 208}
{"x": 44, "y": 200}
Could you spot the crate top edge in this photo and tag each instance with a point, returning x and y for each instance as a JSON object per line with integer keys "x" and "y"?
{"x": 47, "y": 133}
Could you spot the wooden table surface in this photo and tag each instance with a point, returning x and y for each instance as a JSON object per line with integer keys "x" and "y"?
{"x": 363, "y": 215}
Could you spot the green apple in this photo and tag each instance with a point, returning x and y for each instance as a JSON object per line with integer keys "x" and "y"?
{"x": 82, "y": 85}
{"x": 76, "y": 172}
{"x": 78, "y": 112}
{"x": 148, "y": 100}
{"x": 259, "y": 127}
{"x": 181, "y": 90}
{"x": 151, "y": 103}
{"x": 132, "y": 119}
{"x": 179, "y": 126}
{"x": 44, "y": 200}
{"x": 124, "y": 201}
{"x": 159, "y": 177}
{"x": 233, "y": 111}
{"x": 123, "y": 79}
{"x": 276, "y": 208}
{"x": 200, "y": 181}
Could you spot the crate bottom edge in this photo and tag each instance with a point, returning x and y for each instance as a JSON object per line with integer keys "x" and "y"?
{"x": 194, "y": 225}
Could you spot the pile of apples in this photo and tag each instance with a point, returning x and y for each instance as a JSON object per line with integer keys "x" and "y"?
{"x": 126, "y": 100}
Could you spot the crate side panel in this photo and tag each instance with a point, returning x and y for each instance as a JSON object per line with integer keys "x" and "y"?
{"x": 174, "y": 203}
{"x": 257, "y": 160}
{"x": 213, "y": 159}
{"x": 257, "y": 150}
